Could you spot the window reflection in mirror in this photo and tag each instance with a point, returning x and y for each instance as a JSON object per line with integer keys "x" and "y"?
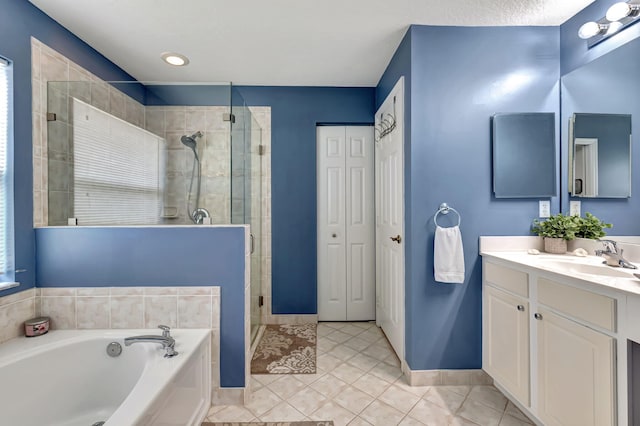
{"x": 600, "y": 155}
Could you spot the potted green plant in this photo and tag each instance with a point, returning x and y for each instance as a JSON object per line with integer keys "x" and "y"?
{"x": 591, "y": 227}
{"x": 556, "y": 231}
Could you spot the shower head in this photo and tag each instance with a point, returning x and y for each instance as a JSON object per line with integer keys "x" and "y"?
{"x": 190, "y": 141}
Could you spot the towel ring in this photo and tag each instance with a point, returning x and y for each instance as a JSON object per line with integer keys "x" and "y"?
{"x": 445, "y": 209}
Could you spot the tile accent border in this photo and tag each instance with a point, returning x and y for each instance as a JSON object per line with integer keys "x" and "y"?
{"x": 445, "y": 377}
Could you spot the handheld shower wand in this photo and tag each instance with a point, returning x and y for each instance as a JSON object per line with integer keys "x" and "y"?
{"x": 198, "y": 214}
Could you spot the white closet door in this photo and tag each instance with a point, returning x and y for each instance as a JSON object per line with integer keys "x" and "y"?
{"x": 346, "y": 224}
{"x": 332, "y": 272}
{"x": 360, "y": 224}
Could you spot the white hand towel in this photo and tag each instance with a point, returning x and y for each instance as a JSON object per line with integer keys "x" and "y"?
{"x": 448, "y": 255}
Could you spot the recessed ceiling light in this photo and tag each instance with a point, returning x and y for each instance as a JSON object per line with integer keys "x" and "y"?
{"x": 175, "y": 59}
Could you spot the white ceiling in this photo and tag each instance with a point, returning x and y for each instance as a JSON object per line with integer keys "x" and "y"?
{"x": 277, "y": 42}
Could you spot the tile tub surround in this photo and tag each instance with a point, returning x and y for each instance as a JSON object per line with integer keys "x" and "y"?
{"x": 132, "y": 308}
{"x": 15, "y": 309}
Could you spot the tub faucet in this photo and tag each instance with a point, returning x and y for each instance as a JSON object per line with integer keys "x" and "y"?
{"x": 613, "y": 256}
{"x": 167, "y": 342}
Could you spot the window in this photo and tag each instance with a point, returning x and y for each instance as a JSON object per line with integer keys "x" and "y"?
{"x": 7, "y": 273}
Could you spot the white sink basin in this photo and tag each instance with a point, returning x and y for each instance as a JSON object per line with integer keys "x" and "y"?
{"x": 576, "y": 267}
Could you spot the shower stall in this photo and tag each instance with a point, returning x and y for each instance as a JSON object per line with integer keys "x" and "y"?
{"x": 123, "y": 153}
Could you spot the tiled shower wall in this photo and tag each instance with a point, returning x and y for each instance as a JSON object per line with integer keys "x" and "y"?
{"x": 214, "y": 151}
{"x": 53, "y": 145}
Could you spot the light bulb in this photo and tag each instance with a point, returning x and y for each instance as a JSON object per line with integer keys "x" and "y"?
{"x": 618, "y": 11}
{"x": 589, "y": 30}
{"x": 614, "y": 27}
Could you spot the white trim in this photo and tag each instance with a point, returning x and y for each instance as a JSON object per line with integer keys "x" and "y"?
{"x": 445, "y": 377}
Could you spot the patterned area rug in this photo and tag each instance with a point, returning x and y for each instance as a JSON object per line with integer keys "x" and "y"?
{"x": 325, "y": 423}
{"x": 286, "y": 349}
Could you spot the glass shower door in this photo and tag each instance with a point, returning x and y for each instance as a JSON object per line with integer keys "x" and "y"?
{"x": 246, "y": 194}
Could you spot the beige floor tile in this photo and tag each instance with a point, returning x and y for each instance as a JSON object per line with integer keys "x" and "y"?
{"x": 479, "y": 413}
{"x": 378, "y": 352}
{"x": 410, "y": 421}
{"x": 371, "y": 335}
{"x": 359, "y": 421}
{"x": 328, "y": 362}
{"x": 283, "y": 412}
{"x": 489, "y": 396}
{"x": 353, "y": 399}
{"x": 514, "y": 411}
{"x": 459, "y": 389}
{"x": 255, "y": 384}
{"x": 286, "y": 386}
{"x": 266, "y": 379}
{"x": 459, "y": 421}
{"x": 262, "y": 401}
{"x": 352, "y": 330}
{"x": 348, "y": 373}
{"x": 399, "y": 399}
{"x": 364, "y": 324}
{"x": 430, "y": 414}
{"x": 342, "y": 352}
{"x": 371, "y": 384}
{"x": 307, "y": 401}
{"x": 310, "y": 378}
{"x": 232, "y": 413}
{"x": 401, "y": 382}
{"x": 444, "y": 398}
{"x": 333, "y": 411}
{"x": 328, "y": 385}
{"x": 380, "y": 414}
{"x": 215, "y": 408}
{"x": 339, "y": 337}
{"x": 392, "y": 360}
{"x": 386, "y": 372}
{"x": 508, "y": 420}
{"x": 325, "y": 345}
{"x": 357, "y": 344}
{"x": 363, "y": 362}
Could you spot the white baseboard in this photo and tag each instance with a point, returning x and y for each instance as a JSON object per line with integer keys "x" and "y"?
{"x": 445, "y": 377}
{"x": 228, "y": 396}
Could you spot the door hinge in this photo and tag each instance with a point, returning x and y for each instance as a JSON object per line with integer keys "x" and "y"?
{"x": 227, "y": 116}
{"x": 51, "y": 116}
{"x": 261, "y": 149}
{"x": 260, "y": 300}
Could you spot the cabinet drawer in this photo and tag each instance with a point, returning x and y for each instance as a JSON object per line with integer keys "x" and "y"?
{"x": 509, "y": 279}
{"x": 580, "y": 304}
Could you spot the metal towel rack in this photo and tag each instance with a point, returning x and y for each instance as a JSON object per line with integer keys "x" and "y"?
{"x": 445, "y": 209}
{"x": 387, "y": 124}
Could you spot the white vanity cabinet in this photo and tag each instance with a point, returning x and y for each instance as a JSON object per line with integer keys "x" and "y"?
{"x": 505, "y": 330}
{"x": 550, "y": 346}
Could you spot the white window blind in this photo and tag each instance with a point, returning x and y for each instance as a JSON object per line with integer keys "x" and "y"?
{"x": 6, "y": 175}
{"x": 118, "y": 170}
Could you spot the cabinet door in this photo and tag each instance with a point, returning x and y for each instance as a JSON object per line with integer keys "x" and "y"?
{"x": 575, "y": 373}
{"x": 506, "y": 341}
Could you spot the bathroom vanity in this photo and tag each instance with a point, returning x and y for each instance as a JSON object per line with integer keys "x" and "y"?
{"x": 559, "y": 333}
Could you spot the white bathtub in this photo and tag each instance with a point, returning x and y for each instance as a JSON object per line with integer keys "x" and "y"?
{"x": 66, "y": 378}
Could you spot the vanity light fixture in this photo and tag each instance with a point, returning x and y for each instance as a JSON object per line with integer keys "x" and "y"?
{"x": 175, "y": 59}
{"x": 621, "y": 10}
{"x": 619, "y": 16}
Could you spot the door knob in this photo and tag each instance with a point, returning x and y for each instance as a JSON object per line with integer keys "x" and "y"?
{"x": 521, "y": 308}
{"x": 397, "y": 239}
{"x": 334, "y": 235}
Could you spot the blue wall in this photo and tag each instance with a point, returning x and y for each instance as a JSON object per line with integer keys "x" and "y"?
{"x": 155, "y": 256}
{"x": 295, "y": 112}
{"x": 458, "y": 80}
{"x": 19, "y": 20}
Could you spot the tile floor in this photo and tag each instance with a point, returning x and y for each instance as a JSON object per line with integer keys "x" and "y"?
{"x": 359, "y": 382}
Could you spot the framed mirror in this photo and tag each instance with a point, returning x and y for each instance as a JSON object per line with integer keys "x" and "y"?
{"x": 524, "y": 155}
{"x": 600, "y": 155}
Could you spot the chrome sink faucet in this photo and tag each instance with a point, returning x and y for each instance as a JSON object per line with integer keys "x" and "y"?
{"x": 167, "y": 342}
{"x": 613, "y": 256}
